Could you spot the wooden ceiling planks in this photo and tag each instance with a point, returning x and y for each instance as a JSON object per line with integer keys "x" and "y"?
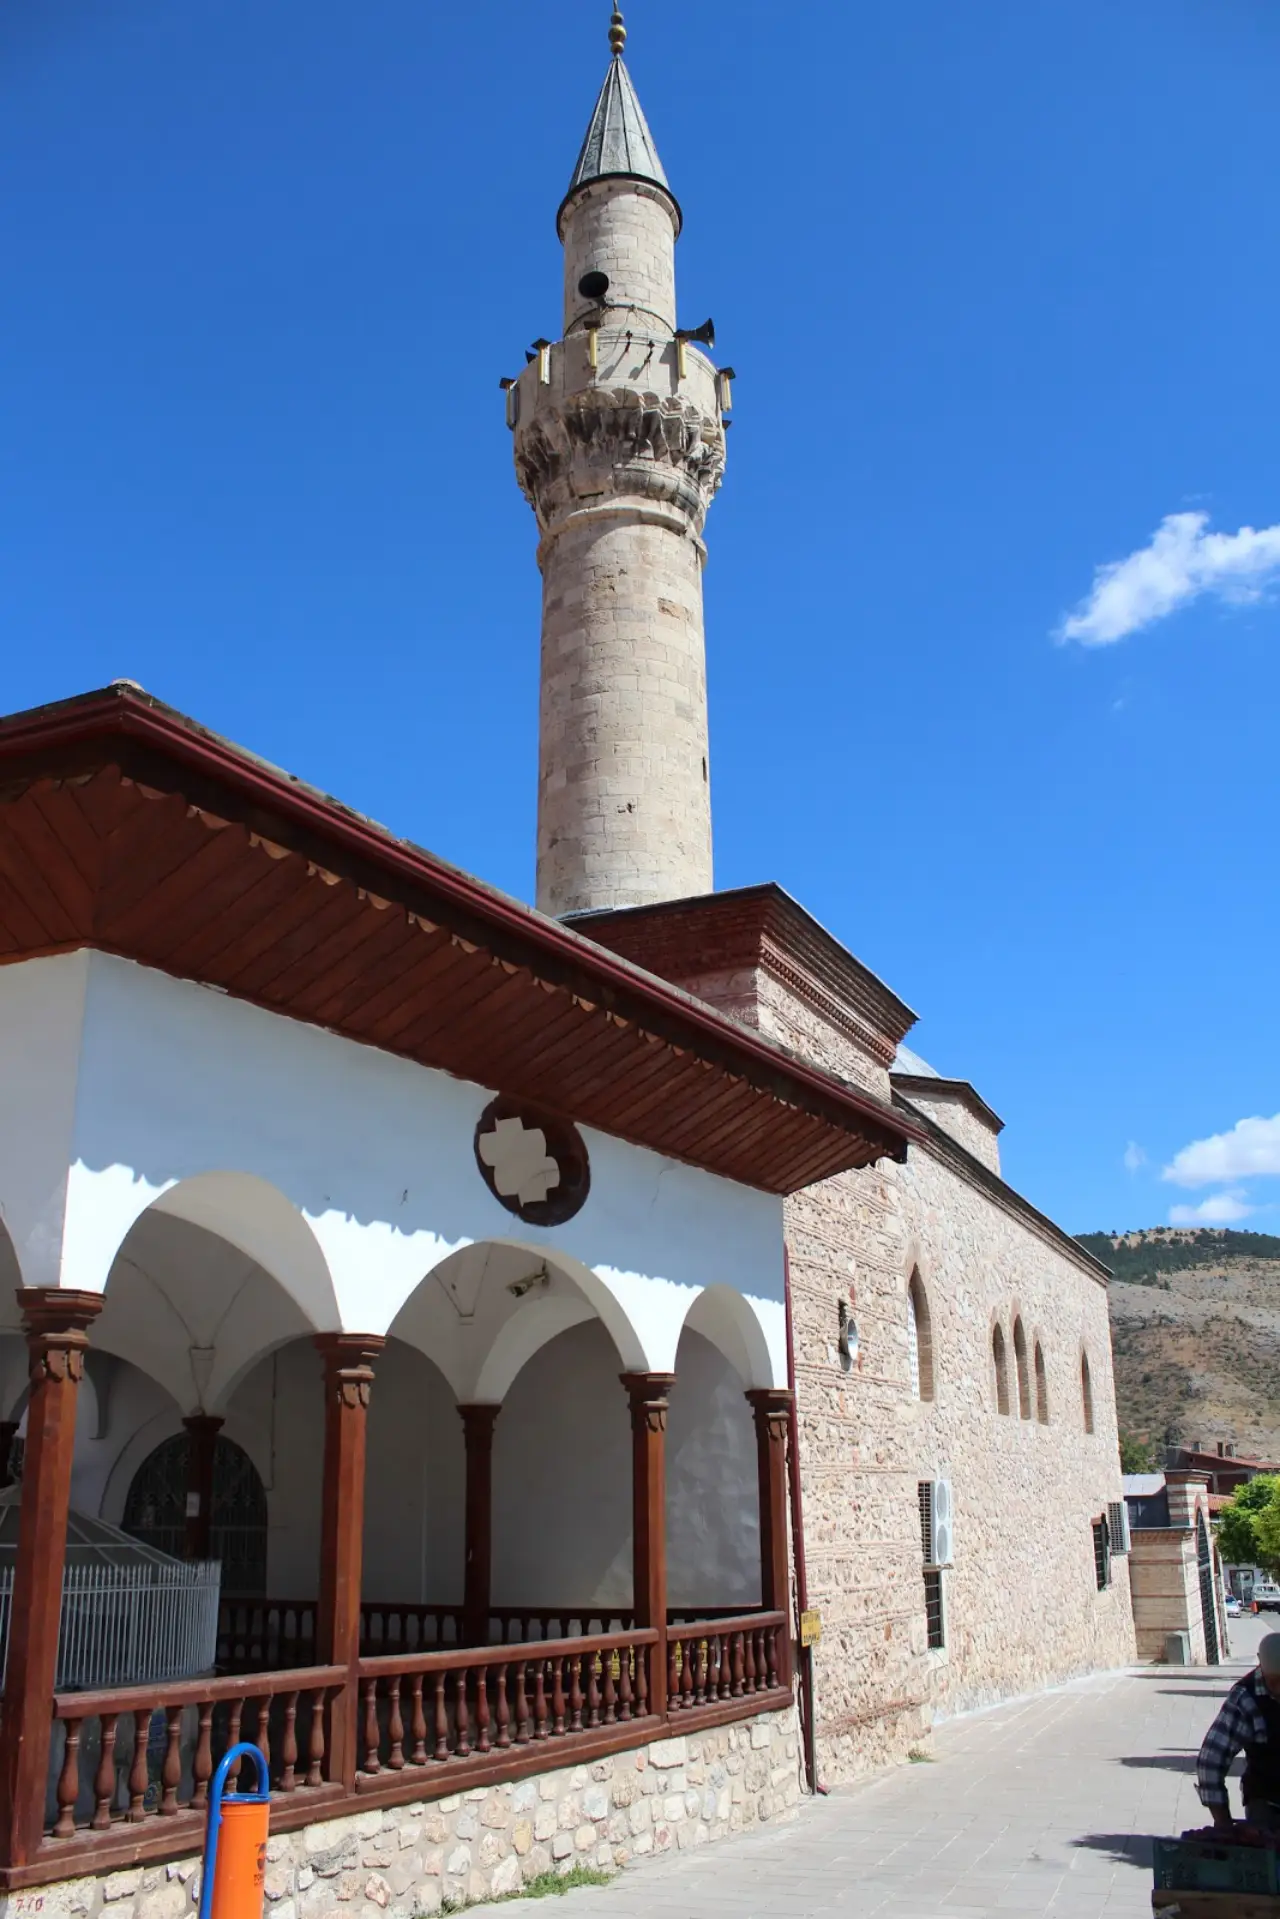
{"x": 183, "y": 854}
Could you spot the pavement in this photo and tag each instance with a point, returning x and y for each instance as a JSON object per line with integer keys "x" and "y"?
{"x": 1044, "y": 1806}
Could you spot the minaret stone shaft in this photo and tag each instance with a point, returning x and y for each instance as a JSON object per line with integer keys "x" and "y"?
{"x": 619, "y": 448}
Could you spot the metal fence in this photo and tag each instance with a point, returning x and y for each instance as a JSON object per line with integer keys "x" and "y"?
{"x": 129, "y": 1625}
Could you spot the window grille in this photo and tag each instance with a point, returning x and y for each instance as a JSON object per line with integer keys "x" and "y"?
{"x": 913, "y": 1345}
{"x": 935, "y": 1620}
{"x": 1117, "y": 1527}
{"x": 1101, "y": 1554}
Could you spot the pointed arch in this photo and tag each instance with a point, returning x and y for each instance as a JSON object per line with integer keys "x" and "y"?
{"x": 1086, "y": 1391}
{"x": 728, "y": 1319}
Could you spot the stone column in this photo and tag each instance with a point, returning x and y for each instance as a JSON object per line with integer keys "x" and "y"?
{"x": 202, "y": 1437}
{"x": 56, "y": 1326}
{"x": 649, "y": 1394}
{"x": 771, "y": 1411}
{"x": 477, "y": 1434}
{"x": 348, "y": 1376}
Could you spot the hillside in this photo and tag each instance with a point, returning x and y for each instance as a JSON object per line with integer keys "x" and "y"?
{"x": 1195, "y": 1327}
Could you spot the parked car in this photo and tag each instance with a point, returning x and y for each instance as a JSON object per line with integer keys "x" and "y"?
{"x": 1234, "y": 1608}
{"x": 1266, "y": 1595}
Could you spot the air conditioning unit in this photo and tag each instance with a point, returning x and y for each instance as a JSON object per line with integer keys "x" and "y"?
{"x": 1118, "y": 1526}
{"x": 942, "y": 1523}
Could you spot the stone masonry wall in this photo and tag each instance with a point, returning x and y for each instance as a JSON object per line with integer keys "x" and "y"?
{"x": 406, "y": 1862}
{"x": 1021, "y": 1602}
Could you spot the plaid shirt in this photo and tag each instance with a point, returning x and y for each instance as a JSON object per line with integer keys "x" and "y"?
{"x": 1239, "y": 1724}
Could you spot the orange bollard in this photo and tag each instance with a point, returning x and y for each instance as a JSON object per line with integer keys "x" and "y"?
{"x": 242, "y": 1860}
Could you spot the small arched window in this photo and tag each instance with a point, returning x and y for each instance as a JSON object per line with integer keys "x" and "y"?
{"x": 919, "y": 1341}
{"x": 1042, "y": 1386}
{"x": 1000, "y": 1366}
{"x": 1086, "y": 1392}
{"x": 1024, "y": 1374}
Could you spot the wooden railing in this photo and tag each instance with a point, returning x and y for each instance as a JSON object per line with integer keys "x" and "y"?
{"x": 515, "y": 1625}
{"x": 148, "y": 1752}
{"x": 710, "y": 1661}
{"x": 256, "y": 1635}
{"x": 442, "y": 1707}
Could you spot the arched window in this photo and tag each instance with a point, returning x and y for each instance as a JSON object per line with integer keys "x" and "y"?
{"x": 1024, "y": 1375}
{"x": 1000, "y": 1365}
{"x": 1086, "y": 1392}
{"x": 155, "y": 1511}
{"x": 919, "y": 1341}
{"x": 1042, "y": 1386}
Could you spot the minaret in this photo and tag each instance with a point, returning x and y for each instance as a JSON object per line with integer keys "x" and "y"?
{"x": 619, "y": 448}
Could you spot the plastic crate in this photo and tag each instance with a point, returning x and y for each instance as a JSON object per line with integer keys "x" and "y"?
{"x": 1204, "y": 1865}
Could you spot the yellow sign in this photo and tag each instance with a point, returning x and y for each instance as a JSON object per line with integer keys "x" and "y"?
{"x": 810, "y": 1628}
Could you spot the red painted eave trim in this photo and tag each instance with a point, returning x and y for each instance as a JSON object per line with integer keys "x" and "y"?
{"x": 125, "y": 711}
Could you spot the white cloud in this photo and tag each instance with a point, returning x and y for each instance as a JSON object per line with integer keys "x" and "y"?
{"x": 1220, "y": 1209}
{"x": 1134, "y": 1157}
{"x": 1181, "y": 562}
{"x": 1251, "y": 1150}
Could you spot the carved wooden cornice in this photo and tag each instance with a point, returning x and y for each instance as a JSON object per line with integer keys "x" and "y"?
{"x": 650, "y": 1397}
{"x": 57, "y": 1321}
{"x": 348, "y": 1366}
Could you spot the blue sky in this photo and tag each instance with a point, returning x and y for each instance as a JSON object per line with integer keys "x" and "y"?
{"x": 1000, "y": 284}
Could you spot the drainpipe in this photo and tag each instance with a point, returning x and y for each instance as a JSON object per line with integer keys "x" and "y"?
{"x": 797, "y": 1546}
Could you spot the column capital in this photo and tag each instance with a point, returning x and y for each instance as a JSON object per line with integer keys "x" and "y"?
{"x": 771, "y": 1410}
{"x": 348, "y": 1364}
{"x": 204, "y": 1423}
{"x": 478, "y": 1419}
{"x": 650, "y": 1396}
{"x": 57, "y": 1322}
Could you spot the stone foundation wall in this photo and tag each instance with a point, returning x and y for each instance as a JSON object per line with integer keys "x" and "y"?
{"x": 406, "y": 1862}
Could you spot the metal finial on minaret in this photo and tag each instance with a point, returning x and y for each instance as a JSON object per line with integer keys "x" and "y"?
{"x": 617, "y": 33}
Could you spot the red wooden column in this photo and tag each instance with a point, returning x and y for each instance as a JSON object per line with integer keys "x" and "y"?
{"x": 56, "y": 1323}
{"x": 202, "y": 1436}
{"x": 477, "y": 1435}
{"x": 771, "y": 1410}
{"x": 649, "y": 1394}
{"x": 348, "y": 1376}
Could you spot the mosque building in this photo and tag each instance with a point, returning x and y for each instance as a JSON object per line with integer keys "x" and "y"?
{"x": 561, "y": 1381}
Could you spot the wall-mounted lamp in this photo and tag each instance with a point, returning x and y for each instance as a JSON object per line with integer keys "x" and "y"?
{"x": 542, "y": 348}
{"x": 535, "y": 1282}
{"x": 592, "y": 325}
{"x": 512, "y": 392}
{"x": 724, "y": 388}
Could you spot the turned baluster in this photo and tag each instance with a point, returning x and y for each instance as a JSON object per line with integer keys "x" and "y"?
{"x": 482, "y": 1709}
{"x": 642, "y": 1680}
{"x": 202, "y": 1759}
{"x": 68, "y": 1790}
{"x": 233, "y": 1738}
{"x": 524, "y": 1730}
{"x": 609, "y": 1690}
{"x": 575, "y": 1692}
{"x": 315, "y": 1739}
{"x": 417, "y": 1723}
{"x": 688, "y": 1654}
{"x": 737, "y": 1665}
{"x": 557, "y": 1697}
{"x": 749, "y": 1659}
{"x": 673, "y": 1669}
{"x": 540, "y": 1727}
{"x": 624, "y": 1682}
{"x": 771, "y": 1644}
{"x": 503, "y": 1710}
{"x": 724, "y": 1654}
{"x": 263, "y": 1740}
{"x": 289, "y": 1744}
{"x": 395, "y": 1727}
{"x": 593, "y": 1689}
{"x": 460, "y": 1707}
{"x": 441, "y": 1719}
{"x": 372, "y": 1763}
{"x": 171, "y": 1767}
{"x": 138, "y": 1769}
{"x": 104, "y": 1781}
{"x": 700, "y": 1673}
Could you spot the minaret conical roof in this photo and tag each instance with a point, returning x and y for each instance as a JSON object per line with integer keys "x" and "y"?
{"x": 618, "y": 138}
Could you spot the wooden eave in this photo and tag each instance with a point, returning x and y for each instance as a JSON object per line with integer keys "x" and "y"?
{"x": 126, "y": 827}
